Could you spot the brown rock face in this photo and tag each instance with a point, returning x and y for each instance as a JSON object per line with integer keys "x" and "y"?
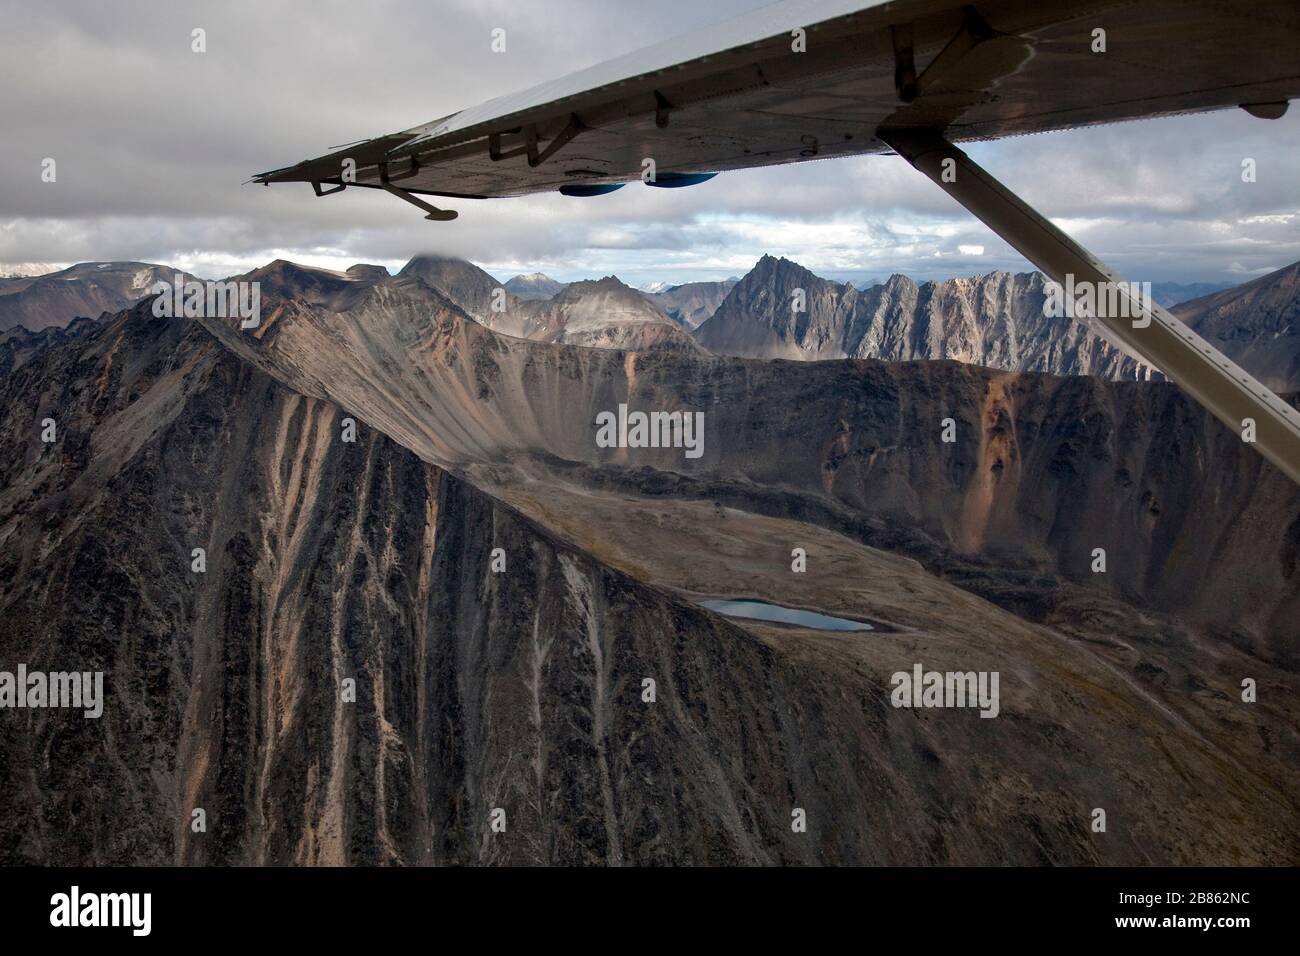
{"x": 524, "y": 690}
{"x": 1041, "y": 471}
{"x": 328, "y": 561}
{"x": 17, "y": 345}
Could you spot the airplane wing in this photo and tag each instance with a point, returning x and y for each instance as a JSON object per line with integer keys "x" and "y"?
{"x": 753, "y": 92}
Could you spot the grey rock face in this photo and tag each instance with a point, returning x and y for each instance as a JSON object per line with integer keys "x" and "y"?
{"x": 995, "y": 320}
{"x": 691, "y": 303}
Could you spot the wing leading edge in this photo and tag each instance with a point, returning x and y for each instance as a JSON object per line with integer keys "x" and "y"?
{"x": 751, "y": 92}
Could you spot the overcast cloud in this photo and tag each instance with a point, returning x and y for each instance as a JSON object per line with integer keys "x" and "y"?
{"x": 154, "y": 143}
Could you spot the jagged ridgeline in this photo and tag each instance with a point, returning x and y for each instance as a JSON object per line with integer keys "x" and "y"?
{"x": 778, "y": 310}
{"x": 364, "y": 588}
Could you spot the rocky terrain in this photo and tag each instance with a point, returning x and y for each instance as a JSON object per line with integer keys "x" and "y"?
{"x": 17, "y": 345}
{"x": 605, "y": 313}
{"x": 523, "y": 689}
{"x": 691, "y": 303}
{"x": 602, "y": 313}
{"x": 1043, "y": 469}
{"x": 995, "y": 320}
{"x": 87, "y": 290}
{"x": 1256, "y": 324}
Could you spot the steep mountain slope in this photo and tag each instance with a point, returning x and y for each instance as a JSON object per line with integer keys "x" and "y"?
{"x": 1256, "y": 324}
{"x": 331, "y": 561}
{"x": 524, "y": 690}
{"x": 87, "y": 289}
{"x": 1042, "y": 469}
{"x": 995, "y": 320}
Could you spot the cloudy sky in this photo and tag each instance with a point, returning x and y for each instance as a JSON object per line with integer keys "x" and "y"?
{"x": 153, "y": 144}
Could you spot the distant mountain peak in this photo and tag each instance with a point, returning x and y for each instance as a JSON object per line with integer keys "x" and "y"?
{"x": 287, "y": 267}
{"x": 534, "y": 285}
{"x": 692, "y": 303}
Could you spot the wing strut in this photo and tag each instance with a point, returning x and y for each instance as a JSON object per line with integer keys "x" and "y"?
{"x": 432, "y": 212}
{"x": 1204, "y": 373}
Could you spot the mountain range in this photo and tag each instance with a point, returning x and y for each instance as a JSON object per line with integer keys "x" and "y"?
{"x": 603, "y": 313}
{"x": 88, "y": 289}
{"x": 994, "y": 320}
{"x": 499, "y": 588}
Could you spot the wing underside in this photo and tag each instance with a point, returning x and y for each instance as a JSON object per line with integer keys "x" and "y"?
{"x": 973, "y": 72}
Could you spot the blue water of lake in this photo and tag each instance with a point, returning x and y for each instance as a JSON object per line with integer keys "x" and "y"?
{"x": 761, "y": 611}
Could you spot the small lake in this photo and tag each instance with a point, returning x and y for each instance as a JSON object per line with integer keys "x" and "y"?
{"x": 762, "y": 611}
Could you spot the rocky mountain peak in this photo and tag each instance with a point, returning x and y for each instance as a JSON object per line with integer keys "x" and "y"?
{"x": 995, "y": 319}
{"x": 464, "y": 283}
{"x": 608, "y": 285}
